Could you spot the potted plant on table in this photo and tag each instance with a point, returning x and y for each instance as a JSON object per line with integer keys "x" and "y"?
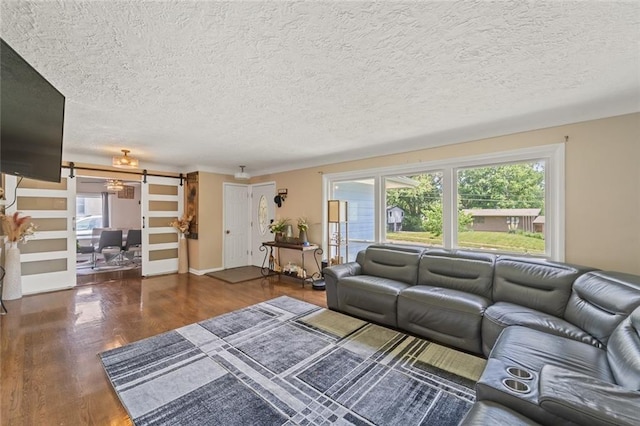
{"x": 303, "y": 227}
{"x": 278, "y": 227}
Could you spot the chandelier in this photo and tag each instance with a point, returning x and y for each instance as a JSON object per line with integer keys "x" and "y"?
{"x": 114, "y": 185}
{"x": 124, "y": 161}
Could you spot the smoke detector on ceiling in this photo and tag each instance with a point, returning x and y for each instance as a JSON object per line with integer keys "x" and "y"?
{"x": 242, "y": 175}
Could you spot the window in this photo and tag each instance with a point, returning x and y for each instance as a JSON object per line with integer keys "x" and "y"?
{"x": 508, "y": 198}
{"x": 89, "y": 216}
{"x": 509, "y": 202}
{"x": 88, "y": 205}
{"x": 417, "y": 199}
{"x": 359, "y": 195}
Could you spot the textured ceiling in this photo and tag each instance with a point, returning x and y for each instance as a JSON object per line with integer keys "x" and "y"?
{"x": 280, "y": 85}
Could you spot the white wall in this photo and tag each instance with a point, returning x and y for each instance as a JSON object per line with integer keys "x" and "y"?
{"x": 126, "y": 213}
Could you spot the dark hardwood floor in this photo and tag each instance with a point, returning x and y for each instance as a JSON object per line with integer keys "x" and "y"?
{"x": 50, "y": 371}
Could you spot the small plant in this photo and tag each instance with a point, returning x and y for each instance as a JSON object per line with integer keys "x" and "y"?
{"x": 303, "y": 224}
{"x": 182, "y": 225}
{"x": 279, "y": 225}
{"x": 16, "y": 228}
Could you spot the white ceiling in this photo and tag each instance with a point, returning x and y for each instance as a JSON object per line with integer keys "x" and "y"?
{"x": 210, "y": 85}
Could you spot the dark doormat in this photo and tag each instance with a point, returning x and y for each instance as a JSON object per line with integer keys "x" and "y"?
{"x": 237, "y": 275}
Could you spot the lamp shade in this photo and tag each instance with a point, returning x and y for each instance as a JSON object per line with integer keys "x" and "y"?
{"x": 337, "y": 211}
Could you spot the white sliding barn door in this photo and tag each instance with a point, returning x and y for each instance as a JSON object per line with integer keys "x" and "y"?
{"x": 48, "y": 259}
{"x": 162, "y": 202}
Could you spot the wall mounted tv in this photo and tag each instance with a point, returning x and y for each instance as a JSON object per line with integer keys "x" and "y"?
{"x": 31, "y": 120}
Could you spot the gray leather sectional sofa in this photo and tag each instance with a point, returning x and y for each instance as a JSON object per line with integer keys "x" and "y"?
{"x": 562, "y": 341}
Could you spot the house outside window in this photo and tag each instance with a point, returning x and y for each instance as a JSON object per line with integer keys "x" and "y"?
{"x": 359, "y": 194}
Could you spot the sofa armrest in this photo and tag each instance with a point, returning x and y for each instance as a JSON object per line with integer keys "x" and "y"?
{"x": 333, "y": 274}
{"x": 584, "y": 399}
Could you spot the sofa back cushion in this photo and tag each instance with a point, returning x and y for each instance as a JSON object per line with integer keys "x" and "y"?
{"x": 458, "y": 270}
{"x": 535, "y": 283}
{"x": 601, "y": 300}
{"x": 398, "y": 263}
{"x": 623, "y": 352}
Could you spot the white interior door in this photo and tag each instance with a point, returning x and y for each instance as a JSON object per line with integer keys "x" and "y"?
{"x": 262, "y": 212}
{"x": 48, "y": 260}
{"x": 236, "y": 225}
{"x": 162, "y": 202}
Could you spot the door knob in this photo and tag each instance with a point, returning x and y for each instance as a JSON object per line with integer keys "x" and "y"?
{"x": 228, "y": 232}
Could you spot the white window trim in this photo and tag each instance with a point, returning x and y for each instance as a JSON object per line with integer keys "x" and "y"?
{"x": 553, "y": 154}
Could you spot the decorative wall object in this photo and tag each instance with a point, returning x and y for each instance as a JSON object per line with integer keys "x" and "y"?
{"x": 192, "y": 204}
{"x": 127, "y": 192}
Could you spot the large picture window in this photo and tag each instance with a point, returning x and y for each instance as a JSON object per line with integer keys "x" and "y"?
{"x": 501, "y": 207}
{"x": 508, "y": 202}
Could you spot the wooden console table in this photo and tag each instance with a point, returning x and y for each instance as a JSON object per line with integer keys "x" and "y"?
{"x": 268, "y": 246}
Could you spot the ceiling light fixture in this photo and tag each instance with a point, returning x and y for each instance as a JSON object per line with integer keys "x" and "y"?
{"x": 241, "y": 175}
{"x": 114, "y": 185}
{"x": 124, "y": 161}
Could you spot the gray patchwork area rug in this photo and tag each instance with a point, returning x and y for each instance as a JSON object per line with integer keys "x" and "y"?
{"x": 287, "y": 362}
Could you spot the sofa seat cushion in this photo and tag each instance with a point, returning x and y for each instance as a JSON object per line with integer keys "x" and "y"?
{"x": 485, "y": 413}
{"x": 371, "y": 298}
{"x": 586, "y": 400}
{"x": 446, "y": 315}
{"x": 532, "y": 349}
{"x": 501, "y": 315}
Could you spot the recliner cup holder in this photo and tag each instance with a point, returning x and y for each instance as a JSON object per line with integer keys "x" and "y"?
{"x": 519, "y": 373}
{"x": 516, "y": 386}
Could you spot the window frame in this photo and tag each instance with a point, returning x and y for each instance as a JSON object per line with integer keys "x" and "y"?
{"x": 552, "y": 154}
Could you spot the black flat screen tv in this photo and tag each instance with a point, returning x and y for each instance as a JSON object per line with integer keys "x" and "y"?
{"x": 31, "y": 120}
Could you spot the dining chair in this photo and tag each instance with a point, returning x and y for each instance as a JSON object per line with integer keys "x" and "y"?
{"x": 133, "y": 246}
{"x": 109, "y": 246}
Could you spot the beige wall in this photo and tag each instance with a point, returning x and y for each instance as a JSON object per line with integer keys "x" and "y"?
{"x": 602, "y": 191}
{"x": 602, "y": 185}
{"x": 603, "y": 194}
{"x": 205, "y": 253}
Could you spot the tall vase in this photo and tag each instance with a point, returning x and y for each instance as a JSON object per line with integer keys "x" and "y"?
{"x": 12, "y": 284}
{"x": 183, "y": 255}
{"x": 288, "y": 232}
{"x": 303, "y": 237}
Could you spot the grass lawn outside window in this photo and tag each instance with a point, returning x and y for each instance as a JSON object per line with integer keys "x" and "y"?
{"x": 493, "y": 241}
